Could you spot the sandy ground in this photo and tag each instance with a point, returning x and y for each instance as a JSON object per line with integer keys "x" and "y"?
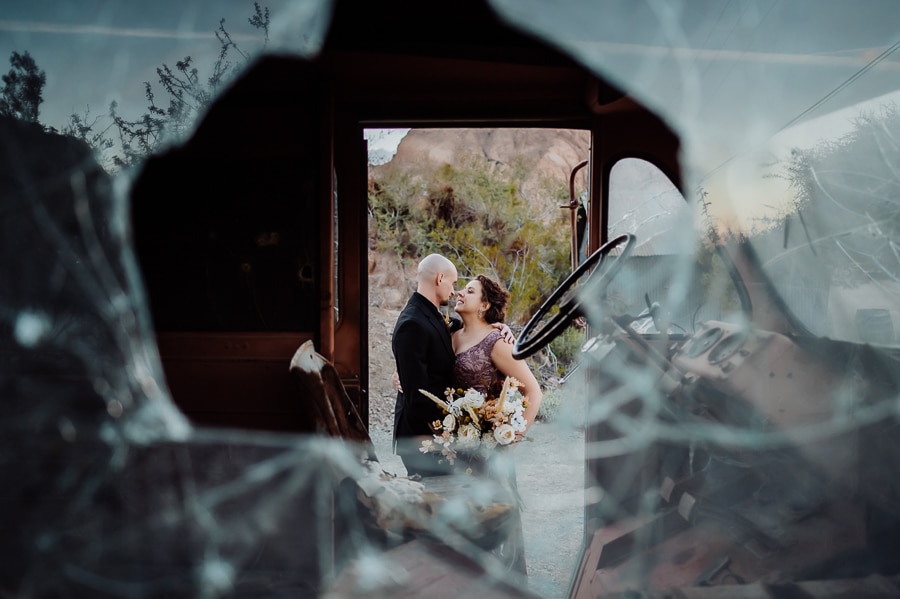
{"x": 549, "y": 470}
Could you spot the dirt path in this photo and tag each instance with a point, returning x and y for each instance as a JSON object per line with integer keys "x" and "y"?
{"x": 549, "y": 471}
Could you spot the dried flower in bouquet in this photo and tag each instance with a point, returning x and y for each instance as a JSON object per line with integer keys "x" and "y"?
{"x": 475, "y": 422}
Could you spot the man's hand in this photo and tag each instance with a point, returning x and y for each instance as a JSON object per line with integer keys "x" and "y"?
{"x": 395, "y": 381}
{"x": 505, "y": 331}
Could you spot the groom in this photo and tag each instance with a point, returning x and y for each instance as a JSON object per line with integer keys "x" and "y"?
{"x": 424, "y": 356}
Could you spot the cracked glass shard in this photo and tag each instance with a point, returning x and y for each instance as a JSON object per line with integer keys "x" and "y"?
{"x": 734, "y": 404}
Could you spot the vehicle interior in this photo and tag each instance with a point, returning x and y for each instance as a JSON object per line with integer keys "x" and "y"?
{"x": 741, "y": 364}
{"x": 723, "y": 356}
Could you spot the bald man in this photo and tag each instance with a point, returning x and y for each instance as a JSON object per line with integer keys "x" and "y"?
{"x": 424, "y": 357}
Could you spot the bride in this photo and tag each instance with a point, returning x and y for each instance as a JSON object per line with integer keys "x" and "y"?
{"x": 481, "y": 362}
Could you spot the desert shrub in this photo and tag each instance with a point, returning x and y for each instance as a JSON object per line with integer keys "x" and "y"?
{"x": 475, "y": 215}
{"x": 565, "y": 405}
{"x": 564, "y": 350}
{"x": 550, "y": 405}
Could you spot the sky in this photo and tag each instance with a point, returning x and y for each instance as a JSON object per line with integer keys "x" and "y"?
{"x": 728, "y": 76}
{"x": 97, "y": 51}
{"x": 383, "y": 143}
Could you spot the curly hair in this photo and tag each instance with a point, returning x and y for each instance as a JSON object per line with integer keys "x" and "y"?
{"x": 496, "y": 295}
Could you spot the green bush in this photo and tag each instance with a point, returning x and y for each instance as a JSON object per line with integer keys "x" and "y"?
{"x": 476, "y": 216}
{"x": 564, "y": 405}
{"x": 550, "y": 405}
{"x": 564, "y": 350}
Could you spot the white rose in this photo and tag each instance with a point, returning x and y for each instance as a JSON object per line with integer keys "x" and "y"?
{"x": 469, "y": 435}
{"x": 504, "y": 434}
{"x": 472, "y": 399}
{"x": 449, "y": 423}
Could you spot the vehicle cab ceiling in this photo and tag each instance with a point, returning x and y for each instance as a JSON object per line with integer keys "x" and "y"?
{"x": 742, "y": 384}
{"x": 452, "y": 64}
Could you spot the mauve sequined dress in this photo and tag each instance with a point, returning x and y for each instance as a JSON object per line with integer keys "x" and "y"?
{"x": 474, "y": 368}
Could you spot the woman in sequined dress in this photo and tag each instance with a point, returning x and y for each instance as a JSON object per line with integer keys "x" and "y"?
{"x": 483, "y": 364}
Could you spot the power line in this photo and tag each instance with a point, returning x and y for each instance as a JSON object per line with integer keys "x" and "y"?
{"x": 890, "y": 50}
{"x": 844, "y": 85}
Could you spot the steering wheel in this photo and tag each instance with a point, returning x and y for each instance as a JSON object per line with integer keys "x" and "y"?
{"x": 570, "y": 308}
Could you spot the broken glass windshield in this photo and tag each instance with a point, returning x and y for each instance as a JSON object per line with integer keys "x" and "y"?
{"x": 168, "y": 258}
{"x": 786, "y": 112}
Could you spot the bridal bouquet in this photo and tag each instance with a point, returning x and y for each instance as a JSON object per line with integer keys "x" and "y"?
{"x": 474, "y": 421}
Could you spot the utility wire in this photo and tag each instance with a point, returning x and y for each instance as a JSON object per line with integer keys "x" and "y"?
{"x": 844, "y": 85}
{"x": 890, "y": 50}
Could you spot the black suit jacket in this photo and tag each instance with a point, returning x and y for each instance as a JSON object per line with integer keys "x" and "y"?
{"x": 425, "y": 358}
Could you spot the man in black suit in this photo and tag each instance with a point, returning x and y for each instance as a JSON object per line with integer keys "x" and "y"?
{"x": 424, "y": 356}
